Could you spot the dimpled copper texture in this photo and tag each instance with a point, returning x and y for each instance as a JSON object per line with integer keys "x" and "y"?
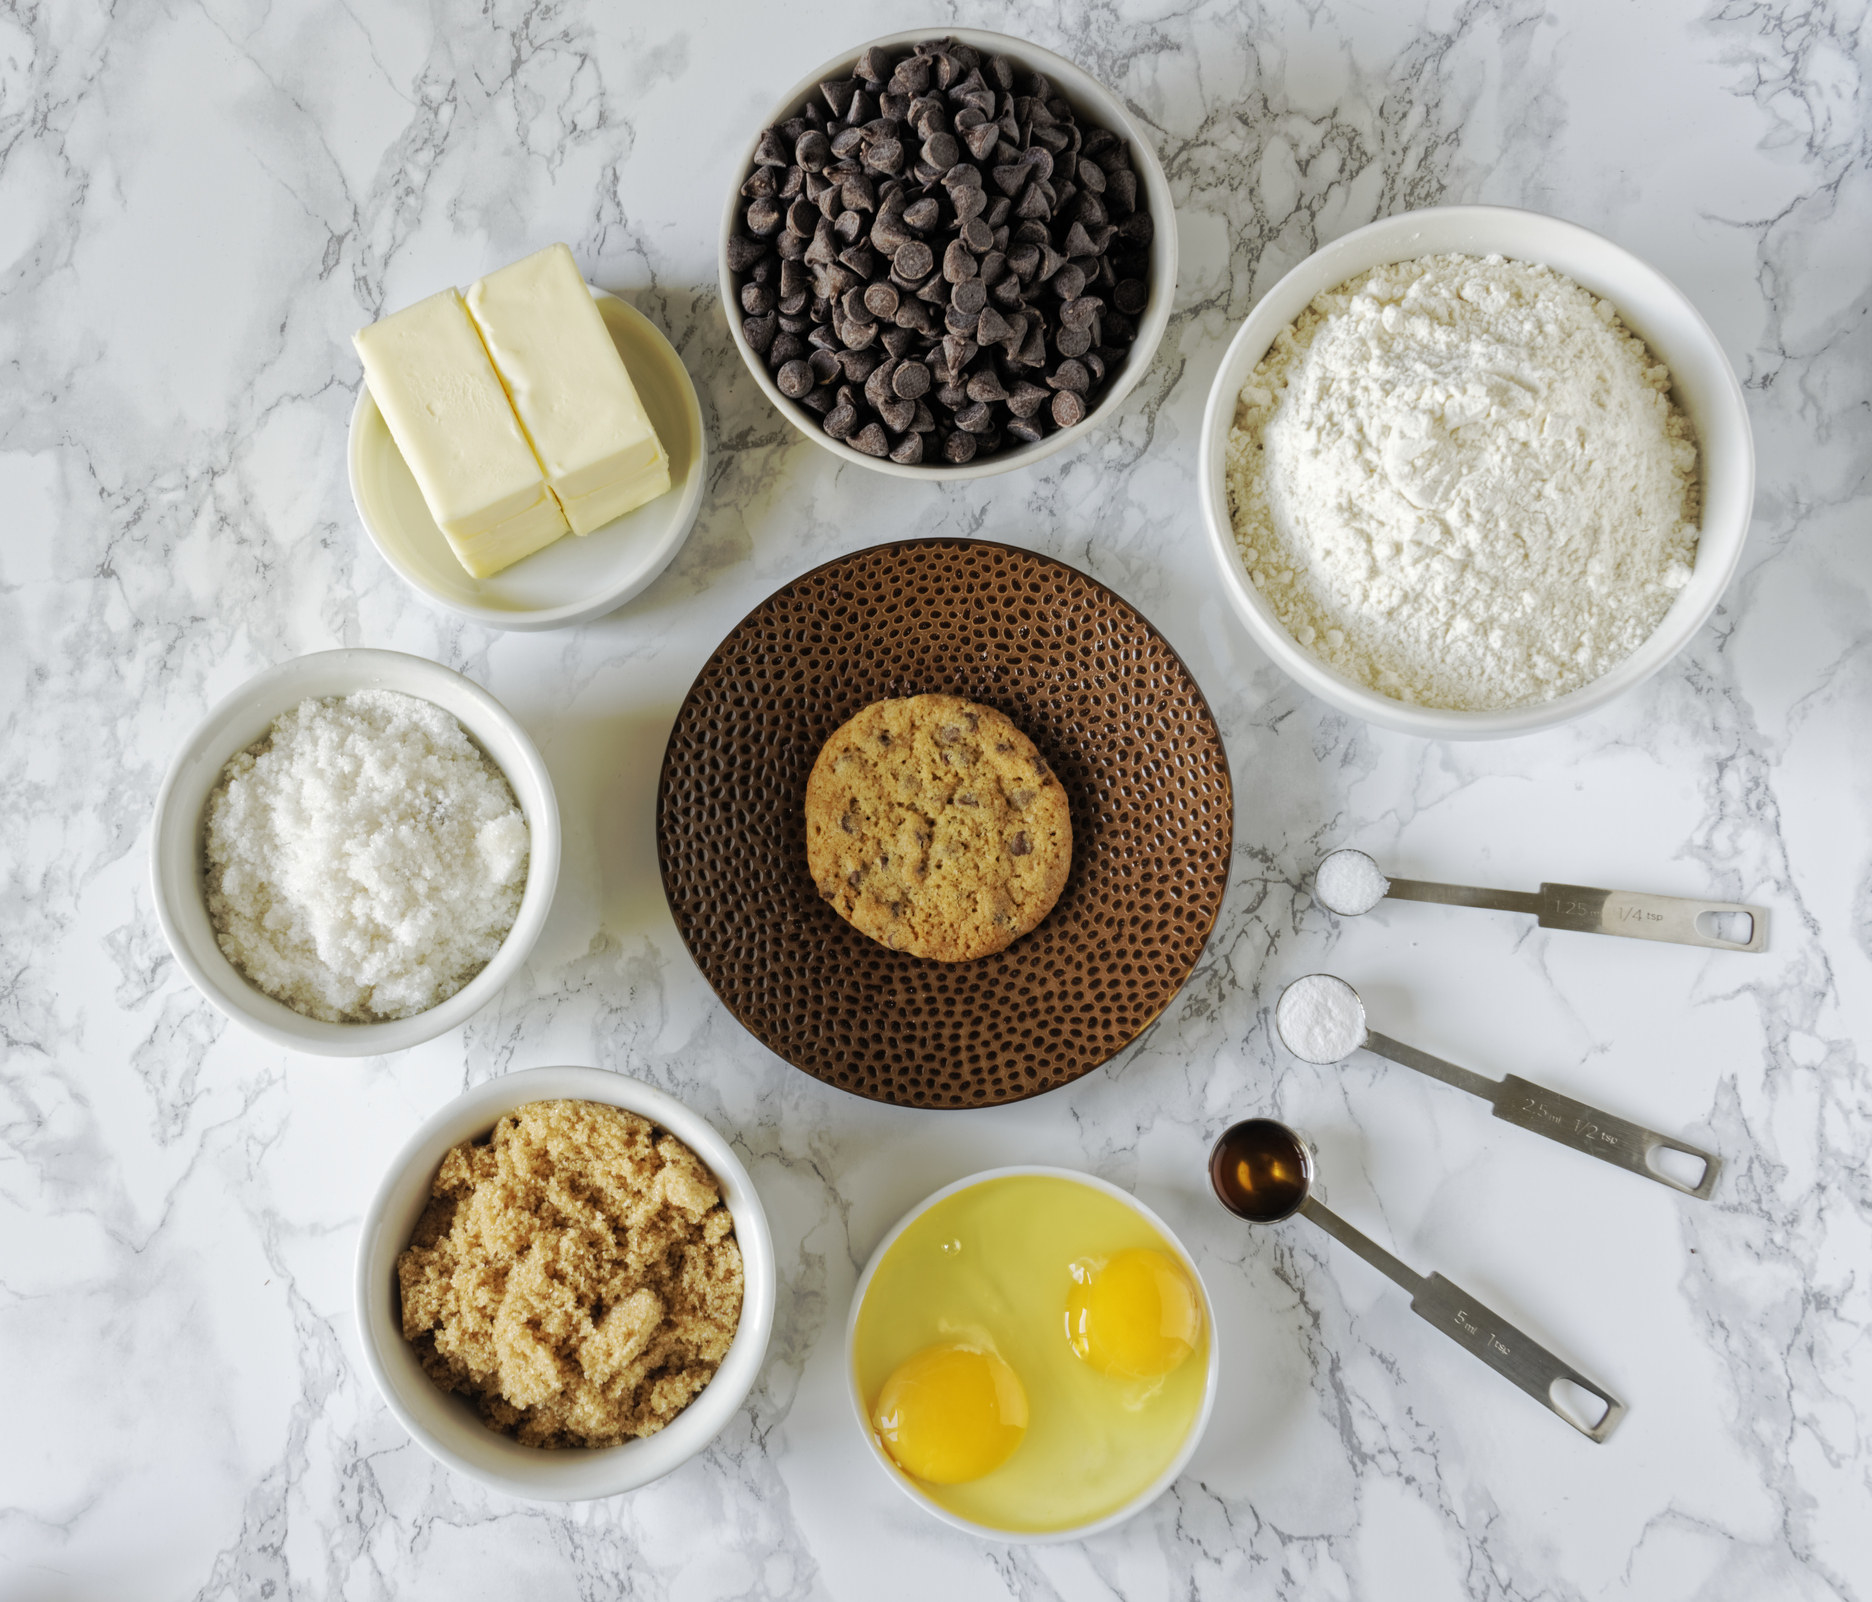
{"x": 1109, "y": 705}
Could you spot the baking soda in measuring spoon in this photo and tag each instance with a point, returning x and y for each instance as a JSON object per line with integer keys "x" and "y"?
{"x": 1320, "y": 1018}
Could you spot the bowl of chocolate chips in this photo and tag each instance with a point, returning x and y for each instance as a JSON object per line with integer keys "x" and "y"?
{"x": 948, "y": 256}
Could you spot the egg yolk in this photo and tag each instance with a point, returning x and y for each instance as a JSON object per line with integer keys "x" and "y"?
{"x": 1136, "y": 1317}
{"x": 950, "y": 1414}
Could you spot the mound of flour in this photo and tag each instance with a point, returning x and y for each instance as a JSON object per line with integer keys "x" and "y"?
{"x": 1462, "y": 482}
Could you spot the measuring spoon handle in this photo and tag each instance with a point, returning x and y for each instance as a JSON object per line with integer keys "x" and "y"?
{"x": 1640, "y": 916}
{"x": 1612, "y": 1140}
{"x": 1510, "y": 1353}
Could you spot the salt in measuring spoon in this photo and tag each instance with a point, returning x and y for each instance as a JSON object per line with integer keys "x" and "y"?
{"x": 1263, "y": 1171}
{"x": 1349, "y": 883}
{"x": 1321, "y": 1019}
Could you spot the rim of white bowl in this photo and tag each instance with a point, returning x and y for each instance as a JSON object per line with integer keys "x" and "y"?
{"x": 585, "y": 609}
{"x": 444, "y": 1425}
{"x": 1144, "y": 1498}
{"x": 239, "y": 719}
{"x": 1700, "y": 374}
{"x": 1103, "y": 107}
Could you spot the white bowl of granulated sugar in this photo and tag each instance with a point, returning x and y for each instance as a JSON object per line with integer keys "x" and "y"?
{"x": 1441, "y": 527}
{"x": 384, "y": 868}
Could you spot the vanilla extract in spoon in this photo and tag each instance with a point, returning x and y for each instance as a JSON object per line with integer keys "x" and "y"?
{"x": 1263, "y": 1171}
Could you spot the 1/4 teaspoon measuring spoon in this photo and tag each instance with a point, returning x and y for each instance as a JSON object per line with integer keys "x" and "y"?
{"x": 1263, "y": 1171}
{"x": 1350, "y": 883}
{"x": 1321, "y": 1019}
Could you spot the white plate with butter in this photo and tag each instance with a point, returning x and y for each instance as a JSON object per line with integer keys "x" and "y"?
{"x": 579, "y": 577}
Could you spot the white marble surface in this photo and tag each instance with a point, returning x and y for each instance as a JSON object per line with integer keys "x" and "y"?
{"x": 198, "y": 202}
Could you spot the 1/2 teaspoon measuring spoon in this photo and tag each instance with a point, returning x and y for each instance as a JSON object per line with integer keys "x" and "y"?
{"x": 1321, "y": 1019}
{"x": 1349, "y": 883}
{"x": 1263, "y": 1171}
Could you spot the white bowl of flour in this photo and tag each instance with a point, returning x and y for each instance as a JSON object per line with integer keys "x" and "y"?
{"x": 178, "y": 858}
{"x": 1538, "y": 639}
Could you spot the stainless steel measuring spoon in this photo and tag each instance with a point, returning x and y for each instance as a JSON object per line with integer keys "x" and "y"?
{"x": 1321, "y": 1019}
{"x": 1631, "y": 913}
{"x": 1263, "y": 1171}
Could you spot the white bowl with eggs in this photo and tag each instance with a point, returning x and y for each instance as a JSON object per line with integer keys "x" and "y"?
{"x": 176, "y": 850}
{"x": 1092, "y": 102}
{"x": 445, "y": 1425}
{"x": 1066, "y": 1359}
{"x": 1702, "y": 383}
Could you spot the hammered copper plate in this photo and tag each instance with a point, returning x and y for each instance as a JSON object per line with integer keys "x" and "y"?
{"x": 1110, "y": 706}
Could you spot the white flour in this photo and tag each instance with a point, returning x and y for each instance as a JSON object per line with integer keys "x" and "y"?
{"x": 1461, "y": 481}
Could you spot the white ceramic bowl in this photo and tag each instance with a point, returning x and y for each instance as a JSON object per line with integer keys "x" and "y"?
{"x": 1650, "y": 305}
{"x": 862, "y": 1412}
{"x": 579, "y": 577}
{"x": 1093, "y": 103}
{"x": 240, "y": 720}
{"x": 446, "y": 1426}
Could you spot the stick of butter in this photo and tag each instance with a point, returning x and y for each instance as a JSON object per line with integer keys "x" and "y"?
{"x": 433, "y": 382}
{"x": 570, "y": 388}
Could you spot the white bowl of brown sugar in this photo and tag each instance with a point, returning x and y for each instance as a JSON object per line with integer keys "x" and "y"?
{"x": 588, "y": 1334}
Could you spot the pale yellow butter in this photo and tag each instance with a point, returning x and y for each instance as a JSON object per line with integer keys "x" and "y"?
{"x": 449, "y": 415}
{"x": 569, "y": 387}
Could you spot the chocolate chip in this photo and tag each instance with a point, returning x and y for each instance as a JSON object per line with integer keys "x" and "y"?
{"x": 870, "y": 439}
{"x": 760, "y": 332}
{"x": 1020, "y": 845}
{"x": 959, "y": 448}
{"x": 1026, "y": 399}
{"x": 794, "y": 379}
{"x": 913, "y": 259}
{"x": 1071, "y": 375}
{"x": 1068, "y": 409}
{"x": 813, "y": 151}
{"x": 908, "y": 451}
{"x": 986, "y": 387}
{"x": 911, "y": 380}
{"x": 993, "y": 327}
{"x": 1069, "y": 282}
{"x": 1130, "y": 296}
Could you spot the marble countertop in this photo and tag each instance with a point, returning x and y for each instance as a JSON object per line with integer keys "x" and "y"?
{"x": 198, "y": 203}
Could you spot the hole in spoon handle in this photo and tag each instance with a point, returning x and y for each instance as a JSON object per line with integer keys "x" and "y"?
{"x": 1557, "y": 1386}
{"x": 1612, "y": 1140}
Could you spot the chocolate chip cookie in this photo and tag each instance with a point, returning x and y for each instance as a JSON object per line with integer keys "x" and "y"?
{"x": 935, "y": 827}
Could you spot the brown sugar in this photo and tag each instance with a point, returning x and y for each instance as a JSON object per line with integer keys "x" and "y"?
{"x": 575, "y": 1275}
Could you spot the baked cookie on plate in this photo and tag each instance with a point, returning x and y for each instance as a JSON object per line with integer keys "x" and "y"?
{"x": 936, "y": 828}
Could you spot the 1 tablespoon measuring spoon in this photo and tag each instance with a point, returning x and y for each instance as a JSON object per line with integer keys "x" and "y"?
{"x": 1349, "y": 882}
{"x": 1321, "y": 1019}
{"x": 1263, "y": 1171}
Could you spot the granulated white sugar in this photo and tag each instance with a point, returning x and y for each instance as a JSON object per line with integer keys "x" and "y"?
{"x": 1349, "y": 883}
{"x": 1462, "y": 482}
{"x": 365, "y": 859}
{"x": 1320, "y": 1018}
